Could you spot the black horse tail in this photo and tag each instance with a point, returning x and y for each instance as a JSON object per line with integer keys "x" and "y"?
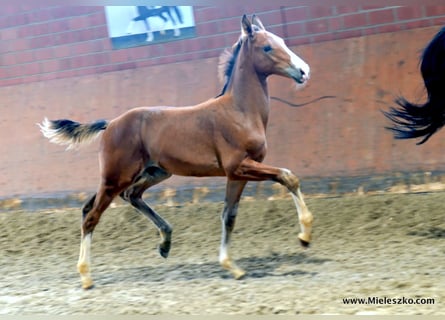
{"x": 411, "y": 120}
{"x": 71, "y": 133}
{"x": 415, "y": 121}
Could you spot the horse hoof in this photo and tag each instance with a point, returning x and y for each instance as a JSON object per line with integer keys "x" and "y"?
{"x": 239, "y": 274}
{"x": 163, "y": 252}
{"x": 87, "y": 284}
{"x": 304, "y": 244}
{"x": 89, "y": 287}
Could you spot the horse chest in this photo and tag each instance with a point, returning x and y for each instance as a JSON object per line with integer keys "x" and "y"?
{"x": 256, "y": 148}
{"x": 245, "y": 138}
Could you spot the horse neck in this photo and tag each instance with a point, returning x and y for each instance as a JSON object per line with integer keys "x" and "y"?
{"x": 249, "y": 91}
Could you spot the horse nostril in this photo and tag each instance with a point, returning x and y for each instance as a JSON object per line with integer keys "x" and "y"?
{"x": 304, "y": 74}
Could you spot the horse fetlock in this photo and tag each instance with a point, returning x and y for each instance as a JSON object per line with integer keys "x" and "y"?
{"x": 85, "y": 277}
{"x": 83, "y": 268}
{"x": 236, "y": 271}
{"x": 166, "y": 234}
{"x": 226, "y": 263}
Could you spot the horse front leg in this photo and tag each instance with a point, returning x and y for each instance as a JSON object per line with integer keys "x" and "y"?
{"x": 249, "y": 169}
{"x": 305, "y": 218}
{"x": 234, "y": 190}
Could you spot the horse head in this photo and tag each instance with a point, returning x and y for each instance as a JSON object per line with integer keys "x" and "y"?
{"x": 270, "y": 54}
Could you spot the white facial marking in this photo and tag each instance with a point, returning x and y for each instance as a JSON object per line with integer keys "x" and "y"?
{"x": 296, "y": 61}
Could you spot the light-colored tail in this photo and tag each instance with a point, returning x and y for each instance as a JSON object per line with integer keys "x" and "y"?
{"x": 71, "y": 133}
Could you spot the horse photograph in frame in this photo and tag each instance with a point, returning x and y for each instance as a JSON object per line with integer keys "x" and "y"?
{"x": 130, "y": 26}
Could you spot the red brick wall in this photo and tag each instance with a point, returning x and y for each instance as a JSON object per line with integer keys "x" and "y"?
{"x": 330, "y": 138}
{"x": 41, "y": 43}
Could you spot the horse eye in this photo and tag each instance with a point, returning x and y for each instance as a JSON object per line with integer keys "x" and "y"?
{"x": 267, "y": 48}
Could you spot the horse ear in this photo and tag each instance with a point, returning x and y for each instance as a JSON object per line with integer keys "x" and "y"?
{"x": 256, "y": 21}
{"x": 246, "y": 26}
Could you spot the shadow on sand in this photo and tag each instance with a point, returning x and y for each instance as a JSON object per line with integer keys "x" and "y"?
{"x": 273, "y": 265}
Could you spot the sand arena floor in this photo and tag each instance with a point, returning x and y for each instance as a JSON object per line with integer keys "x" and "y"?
{"x": 388, "y": 246}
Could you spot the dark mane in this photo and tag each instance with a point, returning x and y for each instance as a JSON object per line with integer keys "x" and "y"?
{"x": 226, "y": 64}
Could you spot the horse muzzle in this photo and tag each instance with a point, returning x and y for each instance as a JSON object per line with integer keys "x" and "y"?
{"x": 300, "y": 75}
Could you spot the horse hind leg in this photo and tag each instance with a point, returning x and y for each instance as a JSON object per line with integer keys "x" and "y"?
{"x": 234, "y": 190}
{"x": 84, "y": 259}
{"x": 133, "y": 194}
{"x": 91, "y": 213}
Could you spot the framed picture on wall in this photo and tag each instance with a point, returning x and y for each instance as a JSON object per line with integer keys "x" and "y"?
{"x": 130, "y": 26}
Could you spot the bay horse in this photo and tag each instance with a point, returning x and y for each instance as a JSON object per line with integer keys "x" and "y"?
{"x": 412, "y": 120}
{"x": 223, "y": 136}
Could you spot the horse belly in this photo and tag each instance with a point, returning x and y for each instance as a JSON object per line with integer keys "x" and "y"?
{"x": 197, "y": 166}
